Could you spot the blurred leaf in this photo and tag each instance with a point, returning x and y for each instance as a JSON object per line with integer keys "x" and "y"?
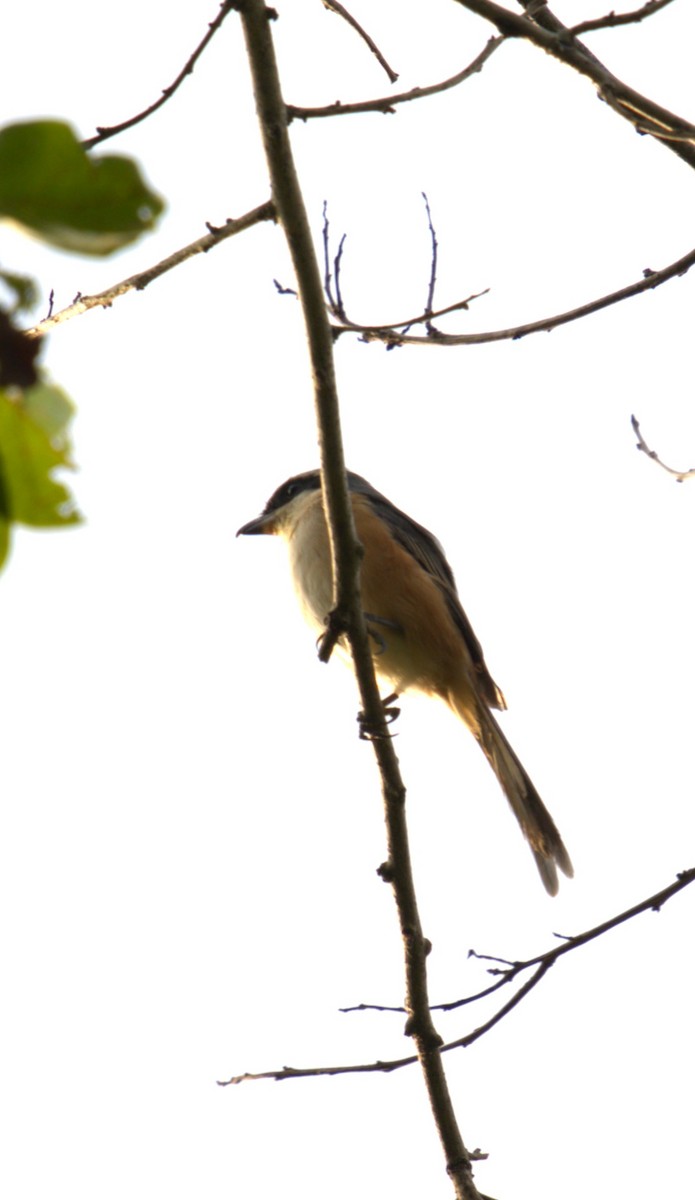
{"x": 51, "y": 408}
{"x": 33, "y": 444}
{"x": 53, "y": 187}
{"x": 24, "y": 287}
{"x": 17, "y": 355}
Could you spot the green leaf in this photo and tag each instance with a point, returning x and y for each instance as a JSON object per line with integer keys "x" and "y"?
{"x": 49, "y": 184}
{"x": 26, "y": 293}
{"x": 51, "y": 408}
{"x": 33, "y": 444}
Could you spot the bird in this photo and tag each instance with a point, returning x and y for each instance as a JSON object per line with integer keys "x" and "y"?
{"x": 421, "y": 638}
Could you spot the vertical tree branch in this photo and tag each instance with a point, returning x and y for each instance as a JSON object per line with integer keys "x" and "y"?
{"x": 345, "y": 548}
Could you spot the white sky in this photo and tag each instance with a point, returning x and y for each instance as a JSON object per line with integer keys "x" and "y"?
{"x": 191, "y": 827}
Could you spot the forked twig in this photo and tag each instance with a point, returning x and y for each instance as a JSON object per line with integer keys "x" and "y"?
{"x": 650, "y": 280}
{"x": 542, "y": 963}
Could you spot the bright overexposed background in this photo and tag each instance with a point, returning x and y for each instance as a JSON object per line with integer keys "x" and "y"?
{"x": 190, "y": 826}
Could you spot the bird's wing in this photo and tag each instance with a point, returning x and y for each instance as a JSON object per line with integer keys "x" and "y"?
{"x": 429, "y": 555}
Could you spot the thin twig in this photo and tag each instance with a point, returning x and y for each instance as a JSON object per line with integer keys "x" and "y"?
{"x": 611, "y": 19}
{"x": 652, "y": 904}
{"x": 340, "y": 11}
{"x": 334, "y": 298}
{"x": 109, "y": 131}
{"x": 542, "y": 963}
{"x": 433, "y": 271}
{"x": 388, "y": 332}
{"x": 387, "y": 104}
{"x": 336, "y": 304}
{"x": 544, "y": 30}
{"x": 137, "y": 283}
{"x": 681, "y": 476}
{"x": 420, "y": 319}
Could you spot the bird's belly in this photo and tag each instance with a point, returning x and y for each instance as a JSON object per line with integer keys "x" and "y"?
{"x": 411, "y": 636}
{"x": 310, "y": 561}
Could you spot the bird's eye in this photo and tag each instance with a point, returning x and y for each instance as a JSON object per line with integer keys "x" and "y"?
{"x": 290, "y": 490}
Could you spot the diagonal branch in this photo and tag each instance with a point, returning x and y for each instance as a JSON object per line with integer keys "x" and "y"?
{"x": 137, "y": 283}
{"x": 612, "y": 19}
{"x": 340, "y": 11}
{"x": 544, "y": 30}
{"x": 542, "y": 963}
{"x": 681, "y": 476}
{"x": 108, "y": 131}
{"x": 389, "y": 334}
{"x": 387, "y": 104}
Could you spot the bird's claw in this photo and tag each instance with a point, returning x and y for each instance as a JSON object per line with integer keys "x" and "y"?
{"x": 371, "y": 730}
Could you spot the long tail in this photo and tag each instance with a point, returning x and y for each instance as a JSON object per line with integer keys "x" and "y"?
{"x": 536, "y": 823}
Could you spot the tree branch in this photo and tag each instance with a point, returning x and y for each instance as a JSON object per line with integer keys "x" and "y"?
{"x": 681, "y": 476}
{"x": 389, "y": 332}
{"x": 341, "y": 11}
{"x": 347, "y": 617}
{"x": 386, "y": 104}
{"x": 137, "y": 283}
{"x": 542, "y": 963}
{"x": 611, "y": 19}
{"x": 544, "y": 30}
{"x": 108, "y": 131}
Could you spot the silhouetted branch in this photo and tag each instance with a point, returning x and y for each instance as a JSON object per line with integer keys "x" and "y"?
{"x": 336, "y": 304}
{"x": 542, "y": 963}
{"x": 611, "y": 19}
{"x": 341, "y": 11}
{"x": 109, "y": 131}
{"x": 429, "y": 312}
{"x": 137, "y": 283}
{"x": 543, "y": 29}
{"x": 331, "y": 282}
{"x": 388, "y": 332}
{"x": 681, "y": 476}
{"x": 387, "y": 104}
{"x": 347, "y": 613}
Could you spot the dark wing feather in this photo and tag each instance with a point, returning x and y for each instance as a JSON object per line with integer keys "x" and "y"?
{"x": 428, "y": 553}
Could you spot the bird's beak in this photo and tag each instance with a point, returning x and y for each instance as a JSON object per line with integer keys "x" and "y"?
{"x": 263, "y": 524}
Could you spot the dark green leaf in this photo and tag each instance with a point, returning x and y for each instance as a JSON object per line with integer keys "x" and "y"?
{"x": 26, "y": 293}
{"x": 51, "y": 185}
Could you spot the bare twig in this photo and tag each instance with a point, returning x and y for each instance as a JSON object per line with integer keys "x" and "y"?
{"x": 137, "y": 283}
{"x": 387, "y": 104}
{"x": 544, "y": 30}
{"x": 109, "y": 131}
{"x": 652, "y": 904}
{"x": 315, "y": 1072}
{"x": 332, "y": 281}
{"x": 347, "y": 614}
{"x": 611, "y": 19}
{"x": 542, "y": 963}
{"x": 429, "y": 313}
{"x": 388, "y": 332}
{"x": 336, "y": 304}
{"x": 341, "y": 11}
{"x": 681, "y": 476}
